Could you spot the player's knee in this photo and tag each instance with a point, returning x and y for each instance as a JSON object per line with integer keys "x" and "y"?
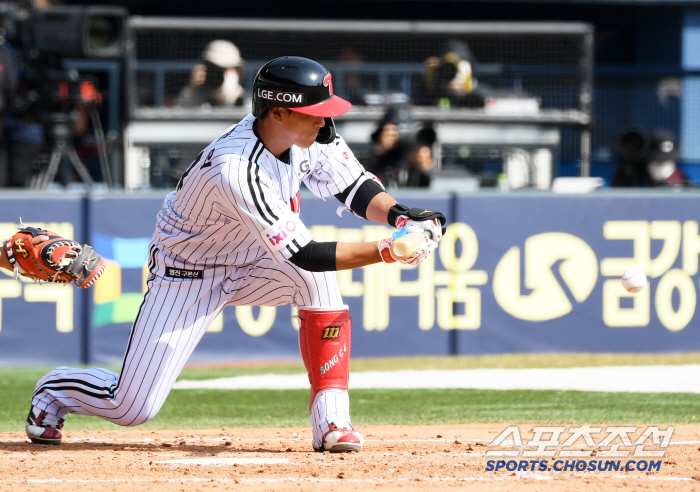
{"x": 148, "y": 410}
{"x": 148, "y": 413}
{"x": 131, "y": 421}
{"x": 140, "y": 419}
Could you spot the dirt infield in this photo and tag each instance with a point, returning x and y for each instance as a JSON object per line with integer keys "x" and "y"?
{"x": 406, "y": 457}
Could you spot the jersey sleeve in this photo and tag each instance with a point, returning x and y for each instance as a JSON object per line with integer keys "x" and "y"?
{"x": 250, "y": 194}
{"x": 334, "y": 168}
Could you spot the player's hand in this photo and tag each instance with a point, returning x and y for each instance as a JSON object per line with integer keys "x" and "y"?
{"x": 427, "y": 220}
{"x": 431, "y": 227}
{"x": 427, "y": 247}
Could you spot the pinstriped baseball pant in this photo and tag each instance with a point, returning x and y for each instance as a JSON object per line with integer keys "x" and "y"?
{"x": 173, "y": 317}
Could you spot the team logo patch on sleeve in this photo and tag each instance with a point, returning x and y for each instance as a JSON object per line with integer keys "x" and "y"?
{"x": 282, "y": 232}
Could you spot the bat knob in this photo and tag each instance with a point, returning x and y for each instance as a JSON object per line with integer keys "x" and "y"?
{"x": 406, "y": 246}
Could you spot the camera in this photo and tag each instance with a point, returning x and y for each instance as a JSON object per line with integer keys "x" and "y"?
{"x": 38, "y": 42}
{"x": 83, "y": 32}
{"x": 42, "y": 38}
{"x": 80, "y": 32}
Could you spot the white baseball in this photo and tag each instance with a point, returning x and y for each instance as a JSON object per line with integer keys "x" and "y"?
{"x": 633, "y": 280}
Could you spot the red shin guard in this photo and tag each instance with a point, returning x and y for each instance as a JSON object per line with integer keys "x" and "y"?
{"x": 324, "y": 343}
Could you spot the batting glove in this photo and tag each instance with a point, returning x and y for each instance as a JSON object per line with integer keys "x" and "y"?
{"x": 427, "y": 247}
{"x": 427, "y": 220}
{"x": 431, "y": 227}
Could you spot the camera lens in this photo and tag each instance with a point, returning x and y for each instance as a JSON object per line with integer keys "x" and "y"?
{"x": 103, "y": 31}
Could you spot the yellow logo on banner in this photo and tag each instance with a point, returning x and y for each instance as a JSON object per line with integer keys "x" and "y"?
{"x": 677, "y": 241}
{"x": 570, "y": 256}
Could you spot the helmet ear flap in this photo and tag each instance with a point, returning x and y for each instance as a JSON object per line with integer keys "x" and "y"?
{"x": 326, "y": 134}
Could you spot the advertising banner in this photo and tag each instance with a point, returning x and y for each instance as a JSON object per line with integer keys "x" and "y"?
{"x": 515, "y": 272}
{"x": 553, "y": 266}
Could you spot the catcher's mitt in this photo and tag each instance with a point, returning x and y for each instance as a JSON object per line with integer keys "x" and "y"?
{"x": 56, "y": 260}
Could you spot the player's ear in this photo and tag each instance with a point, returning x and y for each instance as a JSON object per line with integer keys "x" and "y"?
{"x": 277, "y": 114}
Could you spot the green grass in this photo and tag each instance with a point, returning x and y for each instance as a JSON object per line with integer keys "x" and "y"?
{"x": 268, "y": 408}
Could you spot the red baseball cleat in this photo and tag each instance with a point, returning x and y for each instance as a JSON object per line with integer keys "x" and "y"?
{"x": 339, "y": 440}
{"x": 44, "y": 428}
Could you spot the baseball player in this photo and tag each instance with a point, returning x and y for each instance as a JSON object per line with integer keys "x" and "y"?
{"x": 230, "y": 234}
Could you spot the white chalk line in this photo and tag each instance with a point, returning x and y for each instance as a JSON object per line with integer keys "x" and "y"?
{"x": 615, "y": 379}
{"x": 293, "y": 440}
{"x": 225, "y": 461}
{"x": 523, "y": 476}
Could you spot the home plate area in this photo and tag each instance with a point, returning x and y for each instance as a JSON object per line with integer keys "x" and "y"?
{"x": 394, "y": 457}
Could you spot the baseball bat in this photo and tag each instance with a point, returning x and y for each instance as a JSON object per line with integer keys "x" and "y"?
{"x": 405, "y": 244}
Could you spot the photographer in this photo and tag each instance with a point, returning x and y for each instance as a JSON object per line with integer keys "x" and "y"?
{"x": 421, "y": 161}
{"x": 647, "y": 160}
{"x": 662, "y": 161}
{"x": 448, "y": 81}
{"x": 402, "y": 156}
{"x": 391, "y": 147}
{"x": 215, "y": 81}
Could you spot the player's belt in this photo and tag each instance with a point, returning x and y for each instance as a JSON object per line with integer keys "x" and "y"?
{"x": 183, "y": 273}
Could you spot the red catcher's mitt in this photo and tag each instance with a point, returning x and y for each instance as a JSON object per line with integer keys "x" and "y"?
{"x": 56, "y": 260}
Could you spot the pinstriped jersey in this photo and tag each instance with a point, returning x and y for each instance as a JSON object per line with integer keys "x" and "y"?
{"x": 237, "y": 202}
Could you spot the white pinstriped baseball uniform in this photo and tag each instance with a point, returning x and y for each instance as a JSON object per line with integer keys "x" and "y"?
{"x": 223, "y": 237}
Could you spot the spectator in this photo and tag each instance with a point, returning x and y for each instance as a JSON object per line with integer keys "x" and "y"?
{"x": 215, "y": 81}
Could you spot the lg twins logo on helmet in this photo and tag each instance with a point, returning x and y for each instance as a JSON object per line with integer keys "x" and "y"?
{"x": 286, "y": 97}
{"x": 327, "y": 82}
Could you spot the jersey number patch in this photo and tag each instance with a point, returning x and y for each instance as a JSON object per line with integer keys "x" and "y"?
{"x": 331, "y": 333}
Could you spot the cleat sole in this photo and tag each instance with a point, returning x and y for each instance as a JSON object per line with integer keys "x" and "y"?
{"x": 345, "y": 447}
{"x": 45, "y": 441}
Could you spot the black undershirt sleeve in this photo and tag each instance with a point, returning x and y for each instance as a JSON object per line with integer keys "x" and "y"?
{"x": 316, "y": 257}
{"x": 364, "y": 194}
